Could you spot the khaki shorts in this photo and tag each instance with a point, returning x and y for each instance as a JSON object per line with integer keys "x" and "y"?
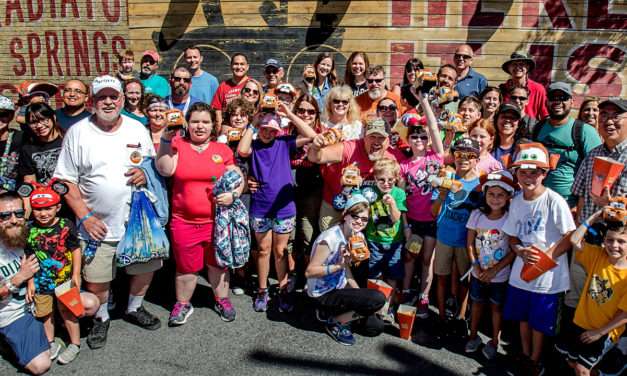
{"x": 444, "y": 256}
{"x": 44, "y": 304}
{"x": 103, "y": 267}
{"x": 328, "y": 216}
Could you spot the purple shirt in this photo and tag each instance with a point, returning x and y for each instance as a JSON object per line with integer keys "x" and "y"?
{"x": 270, "y": 166}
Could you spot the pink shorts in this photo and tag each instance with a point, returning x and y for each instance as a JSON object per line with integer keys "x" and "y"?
{"x": 192, "y": 245}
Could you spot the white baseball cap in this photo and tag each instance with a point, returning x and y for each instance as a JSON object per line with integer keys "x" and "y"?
{"x": 104, "y": 82}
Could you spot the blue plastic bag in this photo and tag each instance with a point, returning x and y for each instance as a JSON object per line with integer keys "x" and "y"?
{"x": 144, "y": 238}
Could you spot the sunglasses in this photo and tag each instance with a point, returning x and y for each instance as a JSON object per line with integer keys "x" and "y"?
{"x": 248, "y": 90}
{"x": 462, "y": 56}
{"x": 271, "y": 70}
{"x": 360, "y": 219}
{"x": 5, "y": 216}
{"x": 518, "y": 98}
{"x": 307, "y": 111}
{"x": 386, "y": 108}
{"x": 340, "y": 101}
{"x": 184, "y": 79}
{"x": 423, "y": 137}
{"x": 559, "y": 98}
{"x": 465, "y": 155}
{"x": 373, "y": 80}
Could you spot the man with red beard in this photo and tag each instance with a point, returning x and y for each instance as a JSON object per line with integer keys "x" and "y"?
{"x": 18, "y": 327}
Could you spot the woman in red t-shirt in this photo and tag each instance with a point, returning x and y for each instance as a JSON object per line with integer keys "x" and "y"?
{"x": 195, "y": 163}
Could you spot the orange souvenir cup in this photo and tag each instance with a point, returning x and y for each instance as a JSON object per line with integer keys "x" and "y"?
{"x": 531, "y": 272}
{"x": 406, "y": 316}
{"x": 605, "y": 171}
{"x": 71, "y": 298}
{"x": 380, "y": 286}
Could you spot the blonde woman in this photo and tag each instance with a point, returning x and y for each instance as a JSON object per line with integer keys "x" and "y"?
{"x": 341, "y": 112}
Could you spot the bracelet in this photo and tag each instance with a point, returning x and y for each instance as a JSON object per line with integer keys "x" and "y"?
{"x": 328, "y": 269}
{"x": 590, "y": 229}
{"x": 164, "y": 141}
{"x": 80, "y": 221}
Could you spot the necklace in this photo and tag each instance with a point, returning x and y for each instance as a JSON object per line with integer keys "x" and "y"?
{"x": 200, "y": 148}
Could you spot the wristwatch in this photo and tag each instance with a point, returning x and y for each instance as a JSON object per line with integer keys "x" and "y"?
{"x": 12, "y": 288}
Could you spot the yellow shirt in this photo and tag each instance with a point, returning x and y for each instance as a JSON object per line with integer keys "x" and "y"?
{"x": 605, "y": 291}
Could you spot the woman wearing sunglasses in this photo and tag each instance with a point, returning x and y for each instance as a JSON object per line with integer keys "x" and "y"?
{"x": 427, "y": 159}
{"x": 341, "y": 112}
{"x": 252, "y": 92}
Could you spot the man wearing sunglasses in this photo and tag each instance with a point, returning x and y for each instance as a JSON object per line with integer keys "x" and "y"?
{"x": 18, "y": 328}
{"x": 367, "y": 102}
{"x": 180, "y": 84}
{"x": 469, "y": 81}
{"x": 153, "y": 83}
{"x": 273, "y": 73}
{"x": 97, "y": 163}
{"x": 204, "y": 84}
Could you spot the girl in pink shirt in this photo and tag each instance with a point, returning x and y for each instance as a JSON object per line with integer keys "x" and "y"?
{"x": 483, "y": 132}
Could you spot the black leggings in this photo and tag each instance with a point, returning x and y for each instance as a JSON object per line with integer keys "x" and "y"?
{"x": 364, "y": 302}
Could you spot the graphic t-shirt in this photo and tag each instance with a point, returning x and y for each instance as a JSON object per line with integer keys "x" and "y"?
{"x": 13, "y": 306}
{"x": 227, "y": 91}
{"x": 380, "y": 227}
{"x": 270, "y": 166}
{"x": 605, "y": 291}
{"x": 53, "y": 248}
{"x": 40, "y": 159}
{"x": 455, "y": 212}
{"x": 491, "y": 243}
{"x": 418, "y": 189}
{"x": 541, "y": 222}
{"x": 9, "y": 161}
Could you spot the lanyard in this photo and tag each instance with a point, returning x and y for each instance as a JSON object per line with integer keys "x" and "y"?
{"x": 185, "y": 107}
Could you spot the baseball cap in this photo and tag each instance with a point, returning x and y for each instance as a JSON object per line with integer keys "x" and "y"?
{"x": 466, "y": 144}
{"x": 104, "y": 82}
{"x": 376, "y": 125}
{"x": 354, "y": 199}
{"x": 153, "y": 54}
{"x": 531, "y": 156}
{"x": 272, "y": 63}
{"x": 6, "y": 104}
{"x": 270, "y": 121}
{"x": 560, "y": 86}
{"x": 509, "y": 107}
{"x": 502, "y": 178}
{"x": 618, "y": 102}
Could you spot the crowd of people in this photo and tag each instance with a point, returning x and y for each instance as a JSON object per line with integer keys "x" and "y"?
{"x": 444, "y": 177}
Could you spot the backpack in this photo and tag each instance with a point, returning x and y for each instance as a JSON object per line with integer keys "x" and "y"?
{"x": 576, "y": 135}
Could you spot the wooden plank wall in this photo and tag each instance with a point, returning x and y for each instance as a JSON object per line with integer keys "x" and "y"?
{"x": 580, "y": 41}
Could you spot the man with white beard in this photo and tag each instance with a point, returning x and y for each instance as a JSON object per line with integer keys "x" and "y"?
{"x": 18, "y": 328}
{"x": 375, "y": 79}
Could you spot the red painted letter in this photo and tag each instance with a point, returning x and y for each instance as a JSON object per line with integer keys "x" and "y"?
{"x": 600, "y": 18}
{"x": 20, "y": 67}
{"x": 34, "y": 51}
{"x": 400, "y": 53}
{"x": 52, "y": 50}
{"x": 600, "y": 81}
{"x": 473, "y": 16}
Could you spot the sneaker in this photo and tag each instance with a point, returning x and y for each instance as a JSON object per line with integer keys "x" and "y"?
{"x": 286, "y": 303}
{"x": 423, "y": 308}
{"x": 225, "y": 309}
{"x": 490, "y": 350}
{"x": 143, "y": 318}
{"x": 473, "y": 345}
{"x": 537, "y": 369}
{"x": 180, "y": 313}
{"x": 322, "y": 316}
{"x": 409, "y": 297}
{"x": 261, "y": 301}
{"x": 237, "y": 291}
{"x": 97, "y": 336}
{"x": 388, "y": 317}
{"x": 450, "y": 307}
{"x": 613, "y": 362}
{"x": 291, "y": 283}
{"x": 55, "y": 348}
{"x": 341, "y": 333}
{"x": 70, "y": 353}
{"x": 520, "y": 365}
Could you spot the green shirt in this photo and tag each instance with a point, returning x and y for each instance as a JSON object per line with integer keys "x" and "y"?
{"x": 380, "y": 228}
{"x": 562, "y": 178}
{"x": 156, "y": 84}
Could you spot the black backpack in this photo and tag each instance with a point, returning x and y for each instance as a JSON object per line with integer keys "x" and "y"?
{"x": 576, "y": 135}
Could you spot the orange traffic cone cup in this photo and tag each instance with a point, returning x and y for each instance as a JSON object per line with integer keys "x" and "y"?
{"x": 406, "y": 316}
{"x": 70, "y": 296}
{"x": 605, "y": 171}
{"x": 530, "y": 272}
{"x": 381, "y": 286}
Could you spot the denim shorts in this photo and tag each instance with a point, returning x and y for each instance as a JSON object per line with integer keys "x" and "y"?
{"x": 385, "y": 259}
{"x": 481, "y": 292}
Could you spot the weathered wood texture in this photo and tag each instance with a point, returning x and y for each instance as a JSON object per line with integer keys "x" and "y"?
{"x": 583, "y": 42}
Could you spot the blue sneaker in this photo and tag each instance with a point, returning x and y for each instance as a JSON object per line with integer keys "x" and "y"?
{"x": 286, "y": 304}
{"x": 341, "y": 333}
{"x": 261, "y": 301}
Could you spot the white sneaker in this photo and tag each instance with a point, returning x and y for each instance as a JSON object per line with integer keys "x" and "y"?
{"x": 55, "y": 348}
{"x": 70, "y": 353}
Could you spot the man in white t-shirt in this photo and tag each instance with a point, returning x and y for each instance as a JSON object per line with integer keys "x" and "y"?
{"x": 539, "y": 226}
{"x": 98, "y": 162}
{"x": 18, "y": 327}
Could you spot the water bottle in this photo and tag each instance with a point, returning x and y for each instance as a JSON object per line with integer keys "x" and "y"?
{"x": 90, "y": 250}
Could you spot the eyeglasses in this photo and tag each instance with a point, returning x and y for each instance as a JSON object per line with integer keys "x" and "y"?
{"x": 184, "y": 79}
{"x": 73, "y": 91}
{"x": 5, "y": 216}
{"x": 356, "y": 218}
{"x": 308, "y": 111}
{"x": 518, "y": 98}
{"x": 340, "y": 101}
{"x": 559, "y": 98}
{"x": 248, "y": 90}
{"x": 465, "y": 155}
{"x": 386, "y": 108}
{"x": 462, "y": 56}
{"x": 611, "y": 116}
{"x": 423, "y": 137}
{"x": 373, "y": 80}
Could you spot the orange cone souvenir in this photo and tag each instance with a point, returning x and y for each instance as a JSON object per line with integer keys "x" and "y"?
{"x": 406, "y": 316}
{"x": 70, "y": 296}
{"x": 530, "y": 272}
{"x": 605, "y": 171}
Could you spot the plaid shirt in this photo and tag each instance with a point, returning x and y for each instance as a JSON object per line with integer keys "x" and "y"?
{"x": 583, "y": 180}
